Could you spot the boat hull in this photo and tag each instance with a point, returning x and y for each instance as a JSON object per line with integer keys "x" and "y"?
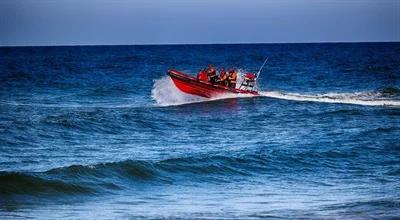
{"x": 189, "y": 84}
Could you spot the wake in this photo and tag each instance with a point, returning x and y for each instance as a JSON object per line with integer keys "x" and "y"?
{"x": 357, "y": 98}
{"x": 165, "y": 93}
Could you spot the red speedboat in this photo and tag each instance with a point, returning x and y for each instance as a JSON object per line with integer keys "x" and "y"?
{"x": 191, "y": 85}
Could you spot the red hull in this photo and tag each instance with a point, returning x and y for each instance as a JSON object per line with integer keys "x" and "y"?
{"x": 189, "y": 84}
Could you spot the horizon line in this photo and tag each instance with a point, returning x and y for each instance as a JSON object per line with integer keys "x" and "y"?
{"x": 194, "y": 44}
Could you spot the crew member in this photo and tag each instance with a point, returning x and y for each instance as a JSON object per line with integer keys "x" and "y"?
{"x": 212, "y": 73}
{"x": 232, "y": 78}
{"x": 202, "y": 75}
{"x": 223, "y": 77}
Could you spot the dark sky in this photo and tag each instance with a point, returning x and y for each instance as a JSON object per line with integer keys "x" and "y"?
{"x": 94, "y": 22}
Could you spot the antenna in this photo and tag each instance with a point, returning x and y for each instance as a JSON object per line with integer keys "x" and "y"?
{"x": 259, "y": 71}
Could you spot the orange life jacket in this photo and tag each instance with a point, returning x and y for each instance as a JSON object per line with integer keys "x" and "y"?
{"x": 232, "y": 77}
{"x": 223, "y": 75}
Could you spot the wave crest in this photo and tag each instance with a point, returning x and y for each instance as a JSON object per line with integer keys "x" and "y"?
{"x": 106, "y": 177}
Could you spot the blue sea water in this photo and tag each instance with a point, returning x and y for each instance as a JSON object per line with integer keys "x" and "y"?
{"x": 100, "y": 132}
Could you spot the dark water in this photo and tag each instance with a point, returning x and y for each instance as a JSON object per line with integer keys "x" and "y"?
{"x": 100, "y": 132}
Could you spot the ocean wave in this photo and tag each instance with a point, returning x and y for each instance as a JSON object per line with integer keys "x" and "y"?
{"x": 115, "y": 175}
{"x": 12, "y": 183}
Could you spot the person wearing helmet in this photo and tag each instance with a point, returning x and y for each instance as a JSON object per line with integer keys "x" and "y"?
{"x": 232, "y": 78}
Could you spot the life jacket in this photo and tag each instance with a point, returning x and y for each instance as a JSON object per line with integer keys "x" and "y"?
{"x": 223, "y": 76}
{"x": 232, "y": 77}
{"x": 202, "y": 76}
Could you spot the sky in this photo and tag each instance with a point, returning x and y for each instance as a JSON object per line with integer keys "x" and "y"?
{"x": 101, "y": 22}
